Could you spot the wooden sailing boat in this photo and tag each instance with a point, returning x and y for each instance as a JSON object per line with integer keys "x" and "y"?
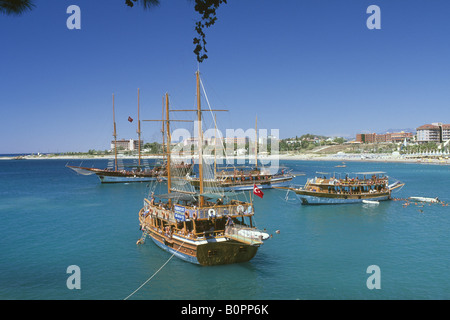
{"x": 247, "y": 178}
{"x": 194, "y": 228}
{"x": 135, "y": 174}
{"x": 363, "y": 187}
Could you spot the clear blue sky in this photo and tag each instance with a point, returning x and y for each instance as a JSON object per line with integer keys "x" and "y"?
{"x": 301, "y": 66}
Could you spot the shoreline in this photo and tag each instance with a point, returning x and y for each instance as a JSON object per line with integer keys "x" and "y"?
{"x": 372, "y": 157}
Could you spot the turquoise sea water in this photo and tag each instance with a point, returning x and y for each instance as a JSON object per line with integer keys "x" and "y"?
{"x": 52, "y": 218}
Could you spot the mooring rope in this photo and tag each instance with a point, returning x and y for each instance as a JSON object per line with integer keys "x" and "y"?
{"x": 155, "y": 272}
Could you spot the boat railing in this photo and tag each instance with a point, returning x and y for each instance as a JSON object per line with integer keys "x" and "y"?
{"x": 246, "y": 179}
{"x": 181, "y": 213}
{"x": 220, "y": 211}
{"x": 293, "y": 187}
{"x": 209, "y": 233}
{"x": 158, "y": 212}
{"x": 348, "y": 182}
{"x": 243, "y": 234}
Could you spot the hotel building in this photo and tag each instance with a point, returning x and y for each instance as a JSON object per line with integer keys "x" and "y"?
{"x": 435, "y": 132}
{"x": 127, "y": 145}
{"x": 386, "y": 137}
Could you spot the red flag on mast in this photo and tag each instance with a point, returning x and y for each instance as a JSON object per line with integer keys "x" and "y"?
{"x": 257, "y": 191}
{"x": 130, "y": 119}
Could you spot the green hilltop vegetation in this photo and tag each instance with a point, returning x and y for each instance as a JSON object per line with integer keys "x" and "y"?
{"x": 307, "y": 143}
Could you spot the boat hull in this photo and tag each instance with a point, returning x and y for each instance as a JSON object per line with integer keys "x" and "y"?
{"x": 281, "y": 182}
{"x": 108, "y": 176}
{"x": 123, "y": 178}
{"x": 424, "y": 199}
{"x": 243, "y": 185}
{"x": 207, "y": 252}
{"x": 371, "y": 202}
{"x": 311, "y": 198}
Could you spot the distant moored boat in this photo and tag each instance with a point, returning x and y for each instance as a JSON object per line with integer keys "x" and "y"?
{"x": 365, "y": 186}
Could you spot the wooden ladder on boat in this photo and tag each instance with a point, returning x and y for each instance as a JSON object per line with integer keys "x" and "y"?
{"x": 143, "y": 237}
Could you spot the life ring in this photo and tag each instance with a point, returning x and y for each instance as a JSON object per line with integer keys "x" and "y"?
{"x": 240, "y": 208}
{"x": 211, "y": 212}
{"x": 186, "y": 215}
{"x": 194, "y": 216}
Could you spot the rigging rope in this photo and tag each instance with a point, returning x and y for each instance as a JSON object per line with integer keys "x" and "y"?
{"x": 217, "y": 188}
{"x": 155, "y": 272}
{"x": 212, "y": 115}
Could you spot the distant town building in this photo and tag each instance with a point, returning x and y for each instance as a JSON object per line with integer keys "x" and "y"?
{"x": 217, "y": 141}
{"x": 190, "y": 141}
{"x": 372, "y": 137}
{"x": 237, "y": 140}
{"x": 365, "y": 137}
{"x": 435, "y": 132}
{"x": 445, "y": 132}
{"x": 385, "y": 137}
{"x": 127, "y": 145}
{"x": 401, "y": 136}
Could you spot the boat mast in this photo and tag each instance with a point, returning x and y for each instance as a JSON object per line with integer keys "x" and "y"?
{"x": 215, "y": 145}
{"x": 256, "y": 142}
{"x": 139, "y": 135}
{"x": 162, "y": 129}
{"x": 115, "y": 137}
{"x": 167, "y": 127}
{"x": 200, "y": 138}
{"x": 169, "y": 180}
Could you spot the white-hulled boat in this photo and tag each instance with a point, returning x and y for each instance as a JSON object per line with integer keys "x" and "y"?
{"x": 371, "y": 202}
{"x": 425, "y": 199}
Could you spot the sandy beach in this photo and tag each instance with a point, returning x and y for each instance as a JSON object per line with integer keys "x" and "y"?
{"x": 340, "y": 157}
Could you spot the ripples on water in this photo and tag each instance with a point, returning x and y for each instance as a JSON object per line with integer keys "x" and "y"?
{"x": 53, "y": 218}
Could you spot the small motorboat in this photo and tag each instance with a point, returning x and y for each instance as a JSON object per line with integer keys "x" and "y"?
{"x": 371, "y": 202}
{"x": 424, "y": 199}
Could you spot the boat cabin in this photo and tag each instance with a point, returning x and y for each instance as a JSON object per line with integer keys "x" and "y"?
{"x": 177, "y": 213}
{"x": 359, "y": 183}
